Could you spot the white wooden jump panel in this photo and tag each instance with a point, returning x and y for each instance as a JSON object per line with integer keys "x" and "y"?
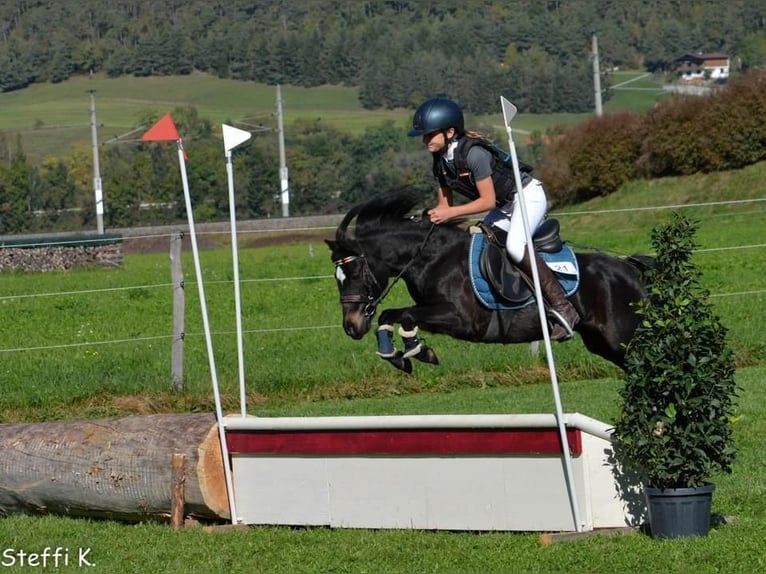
{"x": 438, "y": 472}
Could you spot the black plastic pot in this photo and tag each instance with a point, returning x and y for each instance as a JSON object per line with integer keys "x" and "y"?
{"x": 679, "y": 512}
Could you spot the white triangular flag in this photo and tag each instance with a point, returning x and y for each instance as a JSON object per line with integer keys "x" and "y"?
{"x": 509, "y": 110}
{"x": 232, "y": 137}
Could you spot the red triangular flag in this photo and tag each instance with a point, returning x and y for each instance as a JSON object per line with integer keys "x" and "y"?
{"x": 163, "y": 130}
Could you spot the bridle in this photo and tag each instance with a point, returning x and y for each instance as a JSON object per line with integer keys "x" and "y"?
{"x": 371, "y": 284}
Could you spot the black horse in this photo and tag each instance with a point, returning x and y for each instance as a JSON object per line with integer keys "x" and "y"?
{"x": 391, "y": 239}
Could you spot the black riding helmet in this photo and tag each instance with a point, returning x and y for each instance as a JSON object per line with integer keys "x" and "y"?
{"x": 436, "y": 114}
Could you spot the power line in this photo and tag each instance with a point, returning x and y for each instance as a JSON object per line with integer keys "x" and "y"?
{"x": 660, "y": 207}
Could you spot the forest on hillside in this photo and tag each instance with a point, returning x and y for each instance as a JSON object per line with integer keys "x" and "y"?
{"x": 537, "y": 52}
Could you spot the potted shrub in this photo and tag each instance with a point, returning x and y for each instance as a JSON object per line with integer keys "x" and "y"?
{"x": 674, "y": 428}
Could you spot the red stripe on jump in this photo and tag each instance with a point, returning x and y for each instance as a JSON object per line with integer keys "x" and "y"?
{"x": 402, "y": 442}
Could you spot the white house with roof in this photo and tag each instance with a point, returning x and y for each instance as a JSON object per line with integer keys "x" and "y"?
{"x": 703, "y": 67}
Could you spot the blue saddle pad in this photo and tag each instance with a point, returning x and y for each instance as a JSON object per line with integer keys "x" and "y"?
{"x": 563, "y": 263}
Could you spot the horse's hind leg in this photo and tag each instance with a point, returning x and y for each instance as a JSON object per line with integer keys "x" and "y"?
{"x": 598, "y": 343}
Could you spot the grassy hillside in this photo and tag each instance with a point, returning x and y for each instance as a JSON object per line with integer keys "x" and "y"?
{"x": 52, "y": 117}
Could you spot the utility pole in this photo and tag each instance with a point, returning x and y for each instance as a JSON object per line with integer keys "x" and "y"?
{"x": 96, "y": 170}
{"x": 596, "y": 77}
{"x": 283, "y": 180}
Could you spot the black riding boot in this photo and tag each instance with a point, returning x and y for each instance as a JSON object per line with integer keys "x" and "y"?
{"x": 561, "y": 310}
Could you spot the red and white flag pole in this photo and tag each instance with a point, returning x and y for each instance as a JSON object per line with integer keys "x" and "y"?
{"x": 165, "y": 130}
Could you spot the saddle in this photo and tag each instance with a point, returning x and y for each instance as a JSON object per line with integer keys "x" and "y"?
{"x": 506, "y": 286}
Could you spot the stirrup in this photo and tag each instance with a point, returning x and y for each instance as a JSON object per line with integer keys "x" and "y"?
{"x": 563, "y": 323}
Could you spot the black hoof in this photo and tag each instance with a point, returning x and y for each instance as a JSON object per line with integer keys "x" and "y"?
{"x": 400, "y": 362}
{"x": 427, "y": 355}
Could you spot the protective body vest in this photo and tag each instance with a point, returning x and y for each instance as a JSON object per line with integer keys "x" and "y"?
{"x": 459, "y": 178}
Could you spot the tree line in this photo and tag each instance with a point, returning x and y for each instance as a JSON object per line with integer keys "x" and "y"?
{"x": 397, "y": 52}
{"x": 329, "y": 170}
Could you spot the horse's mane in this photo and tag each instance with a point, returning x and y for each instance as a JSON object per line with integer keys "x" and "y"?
{"x": 380, "y": 213}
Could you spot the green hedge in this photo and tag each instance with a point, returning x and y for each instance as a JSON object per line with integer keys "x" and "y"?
{"x": 680, "y": 136}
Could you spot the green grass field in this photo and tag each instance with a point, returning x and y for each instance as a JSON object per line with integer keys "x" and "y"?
{"x": 112, "y": 328}
{"x": 53, "y": 117}
{"x": 117, "y": 548}
{"x": 320, "y": 372}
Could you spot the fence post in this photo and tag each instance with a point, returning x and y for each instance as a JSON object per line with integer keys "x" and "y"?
{"x": 177, "y": 280}
{"x": 177, "y": 498}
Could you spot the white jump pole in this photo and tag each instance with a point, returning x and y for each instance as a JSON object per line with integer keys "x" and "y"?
{"x": 509, "y": 111}
{"x": 165, "y": 130}
{"x": 208, "y": 336}
{"x": 232, "y": 137}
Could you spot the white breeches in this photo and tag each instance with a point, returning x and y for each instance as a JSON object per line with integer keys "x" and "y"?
{"x": 510, "y": 219}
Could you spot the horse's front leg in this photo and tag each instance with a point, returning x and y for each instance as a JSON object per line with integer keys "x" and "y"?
{"x": 387, "y": 351}
{"x": 408, "y": 319}
{"x": 414, "y": 347}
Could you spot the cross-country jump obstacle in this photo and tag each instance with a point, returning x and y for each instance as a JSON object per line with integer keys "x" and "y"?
{"x": 527, "y": 472}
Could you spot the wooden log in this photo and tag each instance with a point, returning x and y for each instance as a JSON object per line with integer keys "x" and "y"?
{"x": 112, "y": 468}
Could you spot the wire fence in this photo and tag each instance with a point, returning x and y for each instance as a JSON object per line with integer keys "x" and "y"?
{"x": 138, "y": 235}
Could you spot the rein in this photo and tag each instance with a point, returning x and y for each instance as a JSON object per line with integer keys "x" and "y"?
{"x": 373, "y": 302}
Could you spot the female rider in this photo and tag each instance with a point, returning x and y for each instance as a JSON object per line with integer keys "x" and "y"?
{"x": 467, "y": 163}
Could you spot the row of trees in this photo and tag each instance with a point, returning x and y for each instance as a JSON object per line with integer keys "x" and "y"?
{"x": 329, "y": 171}
{"x": 395, "y": 51}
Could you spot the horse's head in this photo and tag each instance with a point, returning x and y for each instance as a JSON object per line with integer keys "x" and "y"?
{"x": 358, "y": 287}
{"x": 361, "y": 273}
